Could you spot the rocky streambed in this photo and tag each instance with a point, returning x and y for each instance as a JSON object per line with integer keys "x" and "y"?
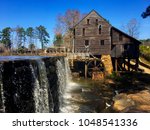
{"x": 126, "y": 92}
{"x": 137, "y": 102}
{"x": 133, "y": 92}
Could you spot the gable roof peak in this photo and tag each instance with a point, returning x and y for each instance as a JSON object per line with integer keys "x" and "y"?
{"x": 89, "y": 14}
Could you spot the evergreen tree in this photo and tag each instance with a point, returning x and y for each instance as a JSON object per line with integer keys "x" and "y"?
{"x": 31, "y": 47}
{"x": 146, "y": 13}
{"x": 6, "y": 37}
{"x": 43, "y": 36}
{"x": 30, "y": 35}
{"x": 58, "y": 40}
{"x": 21, "y": 36}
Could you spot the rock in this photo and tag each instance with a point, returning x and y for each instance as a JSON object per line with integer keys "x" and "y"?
{"x": 138, "y": 102}
{"x": 97, "y": 75}
{"x": 100, "y": 105}
{"x": 86, "y": 90}
{"x": 141, "y": 98}
{"x": 122, "y": 104}
{"x": 144, "y": 108}
{"x": 75, "y": 75}
{"x": 109, "y": 81}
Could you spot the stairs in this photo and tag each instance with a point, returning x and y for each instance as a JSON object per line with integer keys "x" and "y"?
{"x": 106, "y": 59}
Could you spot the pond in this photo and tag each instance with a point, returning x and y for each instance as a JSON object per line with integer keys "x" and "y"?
{"x": 87, "y": 96}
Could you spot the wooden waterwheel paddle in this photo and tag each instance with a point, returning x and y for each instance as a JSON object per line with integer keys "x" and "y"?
{"x": 95, "y": 65}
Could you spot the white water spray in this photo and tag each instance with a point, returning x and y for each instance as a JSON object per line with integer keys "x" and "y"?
{"x": 66, "y": 86}
{"x": 1, "y": 91}
{"x": 41, "y": 88}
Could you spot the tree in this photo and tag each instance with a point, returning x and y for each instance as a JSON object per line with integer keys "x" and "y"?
{"x": 64, "y": 26}
{"x": 68, "y": 20}
{"x": 21, "y": 36}
{"x": 30, "y": 35}
{"x": 132, "y": 28}
{"x": 13, "y": 32}
{"x": 6, "y": 37}
{"x": 0, "y": 36}
{"x": 31, "y": 47}
{"x": 42, "y": 35}
{"x": 146, "y": 13}
{"x": 58, "y": 40}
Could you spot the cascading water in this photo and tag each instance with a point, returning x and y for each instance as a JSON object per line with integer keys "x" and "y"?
{"x": 41, "y": 88}
{"x": 66, "y": 86}
{"x": 35, "y": 84}
{"x": 2, "y": 107}
{"x": 32, "y": 84}
{"x": 61, "y": 82}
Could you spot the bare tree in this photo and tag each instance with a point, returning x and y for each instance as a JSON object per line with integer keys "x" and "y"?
{"x": 132, "y": 28}
{"x": 65, "y": 25}
{"x": 58, "y": 29}
{"x": 68, "y": 20}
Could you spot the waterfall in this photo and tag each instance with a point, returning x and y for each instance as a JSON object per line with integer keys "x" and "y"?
{"x": 2, "y": 107}
{"x": 40, "y": 88}
{"x": 68, "y": 71}
{"x": 66, "y": 85}
{"x": 34, "y": 84}
{"x": 61, "y": 73}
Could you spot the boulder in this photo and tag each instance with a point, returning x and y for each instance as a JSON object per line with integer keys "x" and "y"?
{"x": 137, "y": 102}
{"x": 97, "y": 75}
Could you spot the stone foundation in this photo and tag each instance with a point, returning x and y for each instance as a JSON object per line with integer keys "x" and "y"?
{"x": 106, "y": 59}
{"x": 97, "y": 75}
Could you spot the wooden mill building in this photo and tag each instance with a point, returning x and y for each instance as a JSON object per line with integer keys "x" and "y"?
{"x": 96, "y": 36}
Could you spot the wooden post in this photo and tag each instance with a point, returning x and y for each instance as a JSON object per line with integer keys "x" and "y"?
{"x": 86, "y": 69}
{"x": 116, "y": 65}
{"x": 124, "y": 64}
{"x": 137, "y": 64}
{"x": 128, "y": 64}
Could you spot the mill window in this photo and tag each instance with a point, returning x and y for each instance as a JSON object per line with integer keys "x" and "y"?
{"x": 88, "y": 21}
{"x": 100, "y": 29}
{"x": 83, "y": 33}
{"x": 74, "y": 32}
{"x": 86, "y": 43}
{"x": 102, "y": 42}
{"x": 126, "y": 46}
{"x": 96, "y": 21}
{"x": 120, "y": 37}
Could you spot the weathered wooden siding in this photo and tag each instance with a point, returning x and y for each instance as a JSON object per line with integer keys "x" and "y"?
{"x": 125, "y": 46}
{"x": 115, "y": 38}
{"x": 92, "y": 35}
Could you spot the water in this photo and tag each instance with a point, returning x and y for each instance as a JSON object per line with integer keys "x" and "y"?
{"x": 61, "y": 82}
{"x": 14, "y": 58}
{"x": 87, "y": 96}
{"x": 83, "y": 95}
{"x": 41, "y": 88}
{"x": 29, "y": 84}
{"x": 44, "y": 84}
{"x": 2, "y": 107}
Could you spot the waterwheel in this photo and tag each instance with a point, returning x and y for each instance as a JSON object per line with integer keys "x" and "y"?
{"x": 95, "y": 65}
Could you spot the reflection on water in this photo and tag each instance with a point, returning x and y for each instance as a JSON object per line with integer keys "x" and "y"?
{"x": 87, "y": 96}
{"x": 8, "y": 58}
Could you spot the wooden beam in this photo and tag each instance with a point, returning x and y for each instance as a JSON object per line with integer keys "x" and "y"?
{"x": 116, "y": 65}
{"x": 86, "y": 69}
{"x": 128, "y": 64}
{"x": 124, "y": 64}
{"x": 137, "y": 64}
